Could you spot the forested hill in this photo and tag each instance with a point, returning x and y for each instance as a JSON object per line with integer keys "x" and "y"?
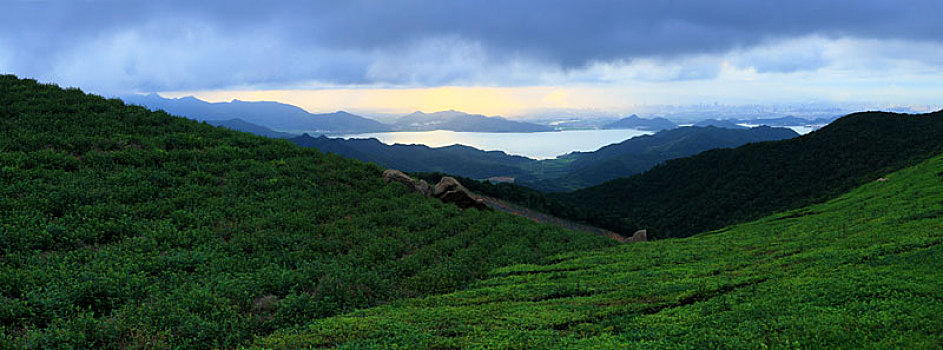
{"x": 638, "y": 154}
{"x": 123, "y": 227}
{"x": 634, "y": 122}
{"x": 464, "y": 122}
{"x": 720, "y": 187}
{"x": 861, "y": 271}
{"x": 569, "y": 172}
{"x": 454, "y": 159}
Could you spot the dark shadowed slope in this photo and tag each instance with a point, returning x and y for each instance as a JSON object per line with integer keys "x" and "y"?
{"x": 638, "y": 154}
{"x": 573, "y": 171}
{"x": 862, "y": 271}
{"x": 455, "y": 159}
{"x": 725, "y": 186}
{"x": 244, "y": 126}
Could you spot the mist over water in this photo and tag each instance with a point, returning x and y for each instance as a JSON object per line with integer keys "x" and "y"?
{"x": 801, "y": 129}
{"x": 538, "y": 145}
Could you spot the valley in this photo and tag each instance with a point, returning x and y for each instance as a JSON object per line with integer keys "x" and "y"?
{"x": 176, "y": 233}
{"x": 450, "y": 175}
{"x": 860, "y": 270}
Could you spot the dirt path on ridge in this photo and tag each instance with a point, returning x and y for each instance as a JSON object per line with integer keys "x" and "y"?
{"x": 537, "y": 216}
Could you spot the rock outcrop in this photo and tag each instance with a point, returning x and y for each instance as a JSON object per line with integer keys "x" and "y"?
{"x": 447, "y": 190}
{"x": 639, "y": 236}
{"x": 421, "y": 186}
{"x": 450, "y": 190}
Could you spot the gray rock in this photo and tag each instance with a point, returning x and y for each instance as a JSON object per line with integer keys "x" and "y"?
{"x": 391, "y": 175}
{"x": 639, "y": 236}
{"x": 446, "y": 184}
{"x": 421, "y": 186}
{"x": 424, "y": 188}
{"x": 450, "y": 190}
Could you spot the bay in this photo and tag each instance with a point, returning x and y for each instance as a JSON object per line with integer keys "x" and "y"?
{"x": 537, "y": 145}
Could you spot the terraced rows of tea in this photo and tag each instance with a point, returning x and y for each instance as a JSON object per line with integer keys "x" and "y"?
{"x": 863, "y": 271}
{"x": 126, "y": 228}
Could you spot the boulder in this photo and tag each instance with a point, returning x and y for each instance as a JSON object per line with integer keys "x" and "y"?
{"x": 639, "y": 236}
{"x": 446, "y": 183}
{"x": 391, "y": 175}
{"x": 424, "y": 188}
{"x": 421, "y": 186}
{"x": 450, "y": 190}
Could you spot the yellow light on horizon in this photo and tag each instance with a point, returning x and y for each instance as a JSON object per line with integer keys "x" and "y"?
{"x": 503, "y": 101}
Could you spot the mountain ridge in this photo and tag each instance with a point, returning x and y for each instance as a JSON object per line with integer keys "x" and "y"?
{"x": 463, "y": 122}
{"x": 275, "y": 115}
{"x": 859, "y": 271}
{"x": 724, "y": 186}
{"x": 635, "y": 122}
{"x": 572, "y": 171}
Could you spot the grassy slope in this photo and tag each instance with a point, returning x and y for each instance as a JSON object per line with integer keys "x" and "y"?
{"x": 122, "y": 227}
{"x": 721, "y": 187}
{"x": 863, "y": 270}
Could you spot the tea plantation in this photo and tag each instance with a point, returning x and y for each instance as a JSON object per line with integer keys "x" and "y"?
{"x": 863, "y": 271}
{"x": 122, "y": 228}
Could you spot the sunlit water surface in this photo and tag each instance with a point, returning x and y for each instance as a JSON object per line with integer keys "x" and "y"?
{"x": 539, "y": 145}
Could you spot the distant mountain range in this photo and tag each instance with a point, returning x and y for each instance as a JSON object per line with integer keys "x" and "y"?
{"x": 459, "y": 121}
{"x": 720, "y": 187}
{"x": 273, "y": 115}
{"x": 634, "y": 122}
{"x": 727, "y": 124}
{"x": 455, "y": 159}
{"x": 655, "y": 124}
{"x": 638, "y": 154}
{"x": 785, "y": 121}
{"x": 282, "y": 117}
{"x": 572, "y": 171}
{"x": 242, "y": 125}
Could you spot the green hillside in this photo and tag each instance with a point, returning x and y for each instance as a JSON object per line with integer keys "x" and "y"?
{"x": 722, "y": 187}
{"x": 565, "y": 173}
{"x": 638, "y": 154}
{"x": 125, "y": 228}
{"x": 862, "y": 271}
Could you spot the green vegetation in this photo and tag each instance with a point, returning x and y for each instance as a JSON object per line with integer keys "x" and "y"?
{"x": 125, "y": 228}
{"x": 638, "y": 154}
{"x": 572, "y": 171}
{"x": 455, "y": 159}
{"x": 721, "y": 187}
{"x": 861, "y": 271}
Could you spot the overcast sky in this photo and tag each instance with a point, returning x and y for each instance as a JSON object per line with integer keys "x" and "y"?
{"x": 535, "y": 54}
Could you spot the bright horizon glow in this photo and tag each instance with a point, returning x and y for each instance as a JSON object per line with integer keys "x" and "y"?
{"x": 864, "y": 73}
{"x": 480, "y": 100}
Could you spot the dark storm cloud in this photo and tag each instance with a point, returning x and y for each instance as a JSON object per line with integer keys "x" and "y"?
{"x": 227, "y": 43}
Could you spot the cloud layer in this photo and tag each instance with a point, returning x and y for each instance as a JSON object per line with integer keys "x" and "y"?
{"x": 123, "y": 46}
